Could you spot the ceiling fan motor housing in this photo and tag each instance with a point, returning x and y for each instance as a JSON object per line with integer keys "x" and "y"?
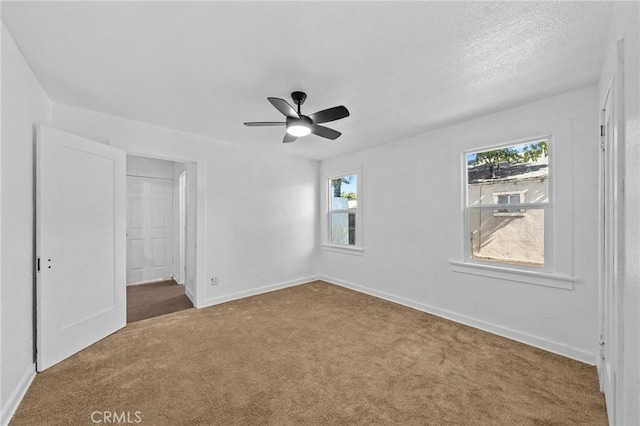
{"x": 302, "y": 121}
{"x": 298, "y": 97}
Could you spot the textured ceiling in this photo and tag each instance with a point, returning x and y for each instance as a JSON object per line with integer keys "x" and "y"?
{"x": 401, "y": 68}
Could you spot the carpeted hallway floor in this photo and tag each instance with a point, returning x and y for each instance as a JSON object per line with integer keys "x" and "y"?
{"x": 313, "y": 354}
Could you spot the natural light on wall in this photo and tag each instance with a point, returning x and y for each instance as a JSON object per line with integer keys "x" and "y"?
{"x": 507, "y": 196}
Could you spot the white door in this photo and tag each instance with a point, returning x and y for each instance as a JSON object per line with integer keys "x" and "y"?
{"x": 80, "y": 243}
{"x": 610, "y": 291}
{"x": 149, "y": 228}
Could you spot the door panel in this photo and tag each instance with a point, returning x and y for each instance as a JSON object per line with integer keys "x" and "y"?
{"x": 80, "y": 205}
{"x": 608, "y": 295}
{"x": 149, "y": 228}
{"x": 611, "y": 291}
{"x": 159, "y": 251}
{"x": 135, "y": 254}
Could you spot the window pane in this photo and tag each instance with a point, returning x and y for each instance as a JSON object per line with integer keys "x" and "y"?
{"x": 521, "y": 169}
{"x": 344, "y": 192}
{"x": 517, "y": 238}
{"x": 343, "y": 196}
{"x": 339, "y": 203}
{"x": 504, "y": 199}
{"x": 340, "y": 228}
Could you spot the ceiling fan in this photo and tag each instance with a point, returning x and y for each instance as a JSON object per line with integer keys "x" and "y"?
{"x": 299, "y": 125}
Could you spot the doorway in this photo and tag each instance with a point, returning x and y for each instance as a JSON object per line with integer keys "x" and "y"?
{"x": 73, "y": 224}
{"x": 156, "y": 237}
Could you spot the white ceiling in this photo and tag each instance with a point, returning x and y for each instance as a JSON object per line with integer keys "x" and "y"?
{"x": 401, "y": 68}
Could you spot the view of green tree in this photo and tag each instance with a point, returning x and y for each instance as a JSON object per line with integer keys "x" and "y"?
{"x": 349, "y": 195}
{"x": 337, "y": 185}
{"x": 531, "y": 152}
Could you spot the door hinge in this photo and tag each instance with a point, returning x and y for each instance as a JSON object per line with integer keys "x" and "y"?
{"x": 601, "y": 348}
{"x": 602, "y": 130}
{"x": 38, "y": 265}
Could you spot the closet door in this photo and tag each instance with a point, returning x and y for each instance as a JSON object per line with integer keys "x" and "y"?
{"x": 149, "y": 228}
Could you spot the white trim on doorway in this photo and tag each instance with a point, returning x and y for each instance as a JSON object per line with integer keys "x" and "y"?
{"x": 196, "y": 190}
{"x": 182, "y": 228}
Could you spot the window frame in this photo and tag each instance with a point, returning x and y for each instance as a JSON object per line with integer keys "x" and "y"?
{"x": 548, "y": 265}
{"x": 326, "y": 242}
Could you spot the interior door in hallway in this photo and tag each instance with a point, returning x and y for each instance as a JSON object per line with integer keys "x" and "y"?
{"x": 149, "y": 228}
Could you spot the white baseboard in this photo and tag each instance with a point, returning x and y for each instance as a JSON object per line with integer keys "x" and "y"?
{"x": 255, "y": 291}
{"x": 547, "y": 345}
{"x": 18, "y": 393}
{"x": 190, "y": 295}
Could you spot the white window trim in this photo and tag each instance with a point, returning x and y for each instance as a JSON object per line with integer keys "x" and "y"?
{"x": 358, "y": 248}
{"x": 511, "y": 270}
{"x": 513, "y": 274}
{"x": 352, "y": 250}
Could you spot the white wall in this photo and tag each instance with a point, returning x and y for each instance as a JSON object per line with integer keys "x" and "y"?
{"x": 412, "y": 226}
{"x": 261, "y": 207}
{"x": 625, "y": 24}
{"x": 24, "y": 103}
{"x": 150, "y": 167}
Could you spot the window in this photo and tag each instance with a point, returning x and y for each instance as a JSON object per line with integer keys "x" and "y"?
{"x": 343, "y": 205}
{"x": 508, "y": 199}
{"x": 507, "y": 204}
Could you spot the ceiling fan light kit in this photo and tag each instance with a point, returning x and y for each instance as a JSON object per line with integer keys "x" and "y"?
{"x": 298, "y": 129}
{"x": 299, "y": 125}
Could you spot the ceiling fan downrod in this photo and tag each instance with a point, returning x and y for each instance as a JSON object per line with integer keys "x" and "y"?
{"x": 298, "y": 99}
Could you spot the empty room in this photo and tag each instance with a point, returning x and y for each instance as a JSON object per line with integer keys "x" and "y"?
{"x": 313, "y": 212}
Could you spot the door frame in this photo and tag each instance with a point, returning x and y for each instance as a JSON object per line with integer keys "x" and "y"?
{"x": 196, "y": 169}
{"x": 182, "y": 226}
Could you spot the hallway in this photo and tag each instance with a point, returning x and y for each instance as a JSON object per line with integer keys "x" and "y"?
{"x": 155, "y": 299}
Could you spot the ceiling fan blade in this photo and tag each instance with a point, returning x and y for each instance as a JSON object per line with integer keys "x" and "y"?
{"x": 284, "y": 107}
{"x": 325, "y": 132}
{"x": 264, "y": 123}
{"x": 330, "y": 114}
{"x": 288, "y": 138}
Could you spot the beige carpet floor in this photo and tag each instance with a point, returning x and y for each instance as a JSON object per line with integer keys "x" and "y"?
{"x": 312, "y": 354}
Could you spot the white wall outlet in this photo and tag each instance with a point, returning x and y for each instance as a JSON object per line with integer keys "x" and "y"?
{"x": 214, "y": 280}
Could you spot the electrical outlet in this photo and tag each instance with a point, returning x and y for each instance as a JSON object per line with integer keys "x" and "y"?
{"x": 214, "y": 280}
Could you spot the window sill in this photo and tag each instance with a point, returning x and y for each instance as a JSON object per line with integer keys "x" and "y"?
{"x": 352, "y": 250}
{"x": 505, "y": 273}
